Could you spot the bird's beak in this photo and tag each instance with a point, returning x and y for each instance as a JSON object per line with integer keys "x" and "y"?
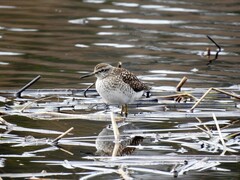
{"x": 87, "y": 75}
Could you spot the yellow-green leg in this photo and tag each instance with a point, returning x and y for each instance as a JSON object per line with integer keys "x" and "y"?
{"x": 124, "y": 110}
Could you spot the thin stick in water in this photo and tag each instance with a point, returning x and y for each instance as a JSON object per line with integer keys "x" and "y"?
{"x": 206, "y": 128}
{"x": 85, "y": 92}
{"x": 123, "y": 173}
{"x": 227, "y": 93}
{"x": 213, "y": 42}
{"x": 215, "y": 89}
{"x": 220, "y": 134}
{"x": 63, "y": 134}
{"x": 66, "y": 151}
{"x": 204, "y": 95}
{"x": 36, "y": 100}
{"x": 18, "y": 94}
{"x": 181, "y": 83}
{"x": 116, "y": 135}
{"x": 218, "y": 51}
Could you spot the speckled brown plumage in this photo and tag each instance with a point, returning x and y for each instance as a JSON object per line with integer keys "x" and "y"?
{"x": 131, "y": 79}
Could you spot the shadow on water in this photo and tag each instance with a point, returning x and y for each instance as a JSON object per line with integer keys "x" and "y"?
{"x": 52, "y": 130}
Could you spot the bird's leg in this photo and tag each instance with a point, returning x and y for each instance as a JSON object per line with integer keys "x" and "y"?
{"x": 124, "y": 110}
{"x": 122, "y": 107}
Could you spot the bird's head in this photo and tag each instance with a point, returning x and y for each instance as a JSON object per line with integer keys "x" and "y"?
{"x": 101, "y": 71}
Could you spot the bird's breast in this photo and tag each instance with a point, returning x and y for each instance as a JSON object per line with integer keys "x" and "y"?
{"x": 115, "y": 91}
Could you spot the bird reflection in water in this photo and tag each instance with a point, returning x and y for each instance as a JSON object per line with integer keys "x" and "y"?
{"x": 105, "y": 142}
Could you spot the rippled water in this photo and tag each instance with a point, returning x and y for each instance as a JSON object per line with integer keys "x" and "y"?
{"x": 62, "y": 39}
{"x": 161, "y": 41}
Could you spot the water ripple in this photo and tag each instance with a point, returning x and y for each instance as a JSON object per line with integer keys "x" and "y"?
{"x": 21, "y": 29}
{"x": 111, "y": 33}
{"x": 125, "y": 4}
{"x": 165, "y": 8}
{"x": 9, "y": 53}
{"x": 115, "y": 45}
{"x": 141, "y": 56}
{"x": 81, "y": 45}
{"x": 128, "y": 20}
{"x": 7, "y": 7}
{"x": 3, "y": 63}
{"x": 94, "y": 1}
{"x": 184, "y": 34}
{"x": 168, "y": 72}
{"x": 149, "y": 21}
{"x": 191, "y": 43}
{"x": 78, "y": 21}
{"x": 117, "y": 11}
{"x": 198, "y": 27}
{"x": 106, "y": 26}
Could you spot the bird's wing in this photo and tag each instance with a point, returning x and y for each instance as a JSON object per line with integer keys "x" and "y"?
{"x": 133, "y": 81}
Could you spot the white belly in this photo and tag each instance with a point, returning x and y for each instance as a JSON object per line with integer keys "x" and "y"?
{"x": 117, "y": 93}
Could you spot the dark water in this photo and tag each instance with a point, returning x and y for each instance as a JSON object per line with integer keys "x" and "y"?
{"x": 159, "y": 40}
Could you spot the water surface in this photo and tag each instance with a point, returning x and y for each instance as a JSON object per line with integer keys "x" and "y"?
{"x": 160, "y": 41}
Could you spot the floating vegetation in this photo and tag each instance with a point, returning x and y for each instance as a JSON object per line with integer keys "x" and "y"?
{"x": 203, "y": 131}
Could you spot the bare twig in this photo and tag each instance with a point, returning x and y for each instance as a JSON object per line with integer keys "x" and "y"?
{"x": 209, "y": 51}
{"x": 227, "y": 93}
{"x": 3, "y": 121}
{"x": 181, "y": 83}
{"x": 123, "y": 173}
{"x": 220, "y": 134}
{"x": 63, "y": 134}
{"x": 36, "y": 100}
{"x": 18, "y": 94}
{"x": 66, "y": 151}
{"x": 215, "y": 89}
{"x": 214, "y": 42}
{"x": 179, "y": 96}
{"x": 206, "y": 128}
{"x": 231, "y": 124}
{"x": 116, "y": 135}
{"x": 233, "y": 135}
{"x": 85, "y": 92}
{"x": 203, "y": 130}
{"x": 204, "y": 95}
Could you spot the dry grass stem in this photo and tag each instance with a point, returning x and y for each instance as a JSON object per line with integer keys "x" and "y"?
{"x": 63, "y": 134}
{"x": 116, "y": 135}
{"x": 181, "y": 83}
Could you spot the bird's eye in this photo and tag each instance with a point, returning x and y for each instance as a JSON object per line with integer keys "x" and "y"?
{"x": 104, "y": 70}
